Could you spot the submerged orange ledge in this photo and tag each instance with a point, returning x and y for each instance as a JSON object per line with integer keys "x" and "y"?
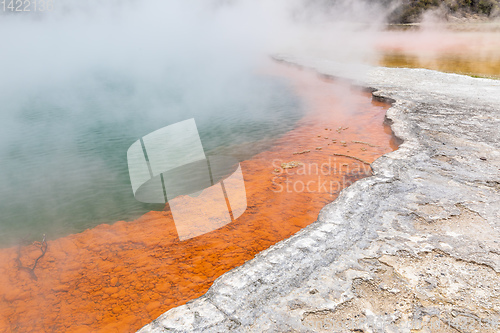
{"x": 117, "y": 278}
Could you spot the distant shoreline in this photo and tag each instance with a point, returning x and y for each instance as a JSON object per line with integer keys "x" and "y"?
{"x": 472, "y": 26}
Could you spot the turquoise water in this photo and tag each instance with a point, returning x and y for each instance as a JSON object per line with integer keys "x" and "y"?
{"x": 63, "y": 149}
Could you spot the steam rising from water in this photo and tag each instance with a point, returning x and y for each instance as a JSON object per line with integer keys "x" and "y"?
{"x": 143, "y": 39}
{"x": 79, "y": 84}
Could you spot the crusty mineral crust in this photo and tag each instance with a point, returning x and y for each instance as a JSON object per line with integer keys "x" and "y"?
{"x": 414, "y": 248}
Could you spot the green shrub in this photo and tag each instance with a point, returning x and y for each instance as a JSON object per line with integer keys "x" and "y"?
{"x": 485, "y": 6}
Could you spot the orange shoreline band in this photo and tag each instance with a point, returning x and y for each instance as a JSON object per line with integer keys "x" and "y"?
{"x": 117, "y": 278}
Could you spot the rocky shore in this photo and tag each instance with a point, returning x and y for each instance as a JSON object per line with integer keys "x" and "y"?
{"x": 414, "y": 248}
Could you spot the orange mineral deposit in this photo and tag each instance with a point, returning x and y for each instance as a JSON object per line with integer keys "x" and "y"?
{"x": 119, "y": 277}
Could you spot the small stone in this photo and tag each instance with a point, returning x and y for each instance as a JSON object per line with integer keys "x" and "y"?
{"x": 163, "y": 287}
{"x": 290, "y": 165}
{"x": 60, "y": 288}
{"x": 152, "y": 306}
{"x": 113, "y": 281}
{"x": 15, "y": 295}
{"x": 301, "y": 152}
{"x": 110, "y": 290}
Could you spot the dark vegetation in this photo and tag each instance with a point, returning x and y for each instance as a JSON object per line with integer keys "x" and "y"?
{"x": 410, "y": 11}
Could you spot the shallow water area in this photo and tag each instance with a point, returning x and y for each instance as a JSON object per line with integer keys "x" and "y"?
{"x": 475, "y": 53}
{"x": 119, "y": 277}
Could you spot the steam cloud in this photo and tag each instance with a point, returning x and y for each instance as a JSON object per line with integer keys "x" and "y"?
{"x": 69, "y": 72}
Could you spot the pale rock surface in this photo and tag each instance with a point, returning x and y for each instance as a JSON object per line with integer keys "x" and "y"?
{"x": 414, "y": 248}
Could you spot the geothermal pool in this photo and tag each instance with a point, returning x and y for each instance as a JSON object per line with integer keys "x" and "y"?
{"x": 119, "y": 277}
{"x": 63, "y": 153}
{"x": 64, "y": 171}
